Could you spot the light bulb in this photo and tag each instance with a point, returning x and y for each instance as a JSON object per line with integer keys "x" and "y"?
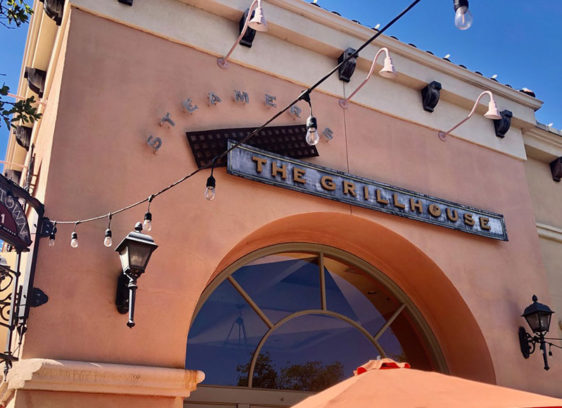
{"x": 52, "y": 240}
{"x": 463, "y": 18}
{"x": 107, "y": 241}
{"x": 210, "y": 188}
{"x": 210, "y": 193}
{"x": 74, "y": 240}
{"x": 312, "y": 137}
{"x": 147, "y": 223}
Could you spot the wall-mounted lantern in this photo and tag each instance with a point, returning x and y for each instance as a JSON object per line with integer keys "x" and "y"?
{"x": 492, "y": 113}
{"x": 538, "y": 318}
{"x": 135, "y": 251}
{"x": 54, "y": 9}
{"x": 253, "y": 20}
{"x": 346, "y": 70}
{"x": 430, "y": 96}
{"x": 556, "y": 169}
{"x": 387, "y": 71}
{"x": 501, "y": 126}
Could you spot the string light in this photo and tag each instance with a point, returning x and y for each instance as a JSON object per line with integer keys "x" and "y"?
{"x": 52, "y": 235}
{"x": 312, "y": 136}
{"x": 303, "y": 96}
{"x": 108, "y": 241}
{"x": 210, "y": 186}
{"x": 147, "y": 223}
{"x": 74, "y": 237}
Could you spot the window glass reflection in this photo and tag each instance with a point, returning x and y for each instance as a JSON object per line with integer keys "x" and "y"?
{"x": 357, "y": 295}
{"x": 311, "y": 353}
{"x": 223, "y": 336}
{"x": 282, "y": 284}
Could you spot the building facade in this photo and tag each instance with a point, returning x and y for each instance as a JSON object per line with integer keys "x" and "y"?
{"x": 427, "y": 250}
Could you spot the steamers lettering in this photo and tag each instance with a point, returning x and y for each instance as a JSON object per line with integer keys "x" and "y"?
{"x": 269, "y": 168}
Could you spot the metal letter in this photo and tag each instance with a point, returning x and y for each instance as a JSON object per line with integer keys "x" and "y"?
{"x": 328, "y": 134}
{"x": 154, "y": 142}
{"x": 214, "y": 98}
{"x": 295, "y": 111}
{"x": 241, "y": 97}
{"x": 270, "y": 101}
{"x": 167, "y": 121}
{"x": 188, "y": 106}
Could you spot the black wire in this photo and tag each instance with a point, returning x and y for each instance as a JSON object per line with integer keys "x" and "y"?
{"x": 305, "y": 95}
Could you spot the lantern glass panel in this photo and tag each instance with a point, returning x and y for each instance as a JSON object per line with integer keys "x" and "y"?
{"x": 139, "y": 254}
{"x": 124, "y": 257}
{"x": 533, "y": 321}
{"x": 544, "y": 321}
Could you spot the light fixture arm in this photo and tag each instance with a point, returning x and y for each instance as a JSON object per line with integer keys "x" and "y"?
{"x": 223, "y": 61}
{"x": 343, "y": 102}
{"x": 443, "y": 135}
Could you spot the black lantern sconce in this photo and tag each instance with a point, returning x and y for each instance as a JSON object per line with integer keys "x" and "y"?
{"x": 556, "y": 169}
{"x": 538, "y": 318}
{"x": 135, "y": 251}
{"x": 501, "y": 126}
{"x": 346, "y": 70}
{"x": 430, "y": 96}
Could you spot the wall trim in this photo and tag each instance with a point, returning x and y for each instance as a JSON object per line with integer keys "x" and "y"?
{"x": 100, "y": 378}
{"x": 549, "y": 232}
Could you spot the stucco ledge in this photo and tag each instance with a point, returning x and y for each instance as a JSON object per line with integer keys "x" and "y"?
{"x": 89, "y": 377}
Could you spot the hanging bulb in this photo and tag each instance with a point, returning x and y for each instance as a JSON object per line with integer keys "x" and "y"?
{"x": 52, "y": 236}
{"x": 210, "y": 188}
{"x": 74, "y": 239}
{"x": 147, "y": 223}
{"x": 107, "y": 241}
{"x": 312, "y": 136}
{"x": 463, "y": 16}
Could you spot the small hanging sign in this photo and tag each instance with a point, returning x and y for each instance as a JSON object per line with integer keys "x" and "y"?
{"x": 259, "y": 165}
{"x": 13, "y": 221}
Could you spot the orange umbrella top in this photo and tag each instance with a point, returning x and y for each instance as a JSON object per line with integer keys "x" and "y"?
{"x": 374, "y": 385}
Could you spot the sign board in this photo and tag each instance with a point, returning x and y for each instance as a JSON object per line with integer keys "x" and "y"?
{"x": 259, "y": 165}
{"x": 14, "y": 228}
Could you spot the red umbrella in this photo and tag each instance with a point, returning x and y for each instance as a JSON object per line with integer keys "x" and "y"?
{"x": 376, "y": 384}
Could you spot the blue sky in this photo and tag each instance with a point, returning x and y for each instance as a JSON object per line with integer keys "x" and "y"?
{"x": 519, "y": 40}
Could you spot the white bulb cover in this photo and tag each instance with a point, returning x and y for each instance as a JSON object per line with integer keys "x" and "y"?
{"x": 258, "y": 21}
{"x": 493, "y": 112}
{"x": 108, "y": 241}
{"x": 463, "y": 18}
{"x": 388, "y": 70}
{"x": 74, "y": 243}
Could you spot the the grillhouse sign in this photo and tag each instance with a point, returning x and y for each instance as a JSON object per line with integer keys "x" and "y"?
{"x": 259, "y": 165}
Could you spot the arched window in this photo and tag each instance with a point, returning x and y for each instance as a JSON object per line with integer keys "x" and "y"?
{"x": 303, "y": 317}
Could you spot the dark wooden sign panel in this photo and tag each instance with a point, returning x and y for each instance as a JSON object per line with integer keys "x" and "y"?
{"x": 14, "y": 228}
{"x": 259, "y": 165}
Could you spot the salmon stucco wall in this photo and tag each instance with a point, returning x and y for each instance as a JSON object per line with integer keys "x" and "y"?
{"x": 118, "y": 82}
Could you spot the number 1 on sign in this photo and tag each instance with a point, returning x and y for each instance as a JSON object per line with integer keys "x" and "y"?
{"x": 2, "y": 216}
